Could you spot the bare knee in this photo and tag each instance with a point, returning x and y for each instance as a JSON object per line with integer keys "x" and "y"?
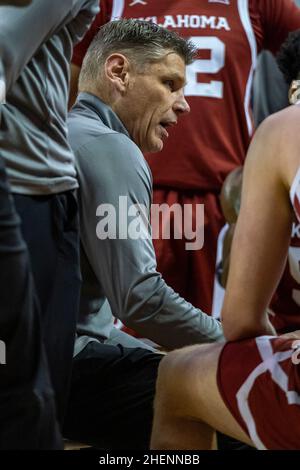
{"x": 180, "y": 376}
{"x": 175, "y": 369}
{"x": 178, "y": 412}
{"x": 182, "y": 364}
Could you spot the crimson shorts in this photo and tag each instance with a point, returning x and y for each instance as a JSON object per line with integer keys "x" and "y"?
{"x": 259, "y": 381}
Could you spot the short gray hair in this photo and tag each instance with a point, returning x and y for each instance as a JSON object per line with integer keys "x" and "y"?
{"x": 144, "y": 42}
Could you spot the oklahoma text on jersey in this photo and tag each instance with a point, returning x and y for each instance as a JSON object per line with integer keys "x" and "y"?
{"x": 191, "y": 21}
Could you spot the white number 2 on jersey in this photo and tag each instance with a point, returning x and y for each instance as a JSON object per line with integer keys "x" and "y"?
{"x": 294, "y": 263}
{"x": 213, "y": 89}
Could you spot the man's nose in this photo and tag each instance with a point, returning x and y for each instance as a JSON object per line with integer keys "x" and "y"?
{"x": 181, "y": 105}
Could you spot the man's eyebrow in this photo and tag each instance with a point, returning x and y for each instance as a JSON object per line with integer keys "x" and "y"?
{"x": 177, "y": 77}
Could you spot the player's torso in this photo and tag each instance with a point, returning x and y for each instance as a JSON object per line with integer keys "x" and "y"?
{"x": 218, "y": 86}
{"x": 286, "y": 301}
{"x": 213, "y": 26}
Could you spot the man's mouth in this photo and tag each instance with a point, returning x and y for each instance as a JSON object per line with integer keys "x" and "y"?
{"x": 164, "y": 125}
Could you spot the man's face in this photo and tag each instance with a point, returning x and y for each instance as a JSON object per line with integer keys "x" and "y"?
{"x": 153, "y": 101}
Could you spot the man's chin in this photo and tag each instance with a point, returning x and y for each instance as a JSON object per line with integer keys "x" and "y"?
{"x": 156, "y": 147}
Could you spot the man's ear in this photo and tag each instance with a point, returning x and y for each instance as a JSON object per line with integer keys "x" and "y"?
{"x": 117, "y": 71}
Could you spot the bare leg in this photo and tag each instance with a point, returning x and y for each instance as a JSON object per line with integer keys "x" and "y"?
{"x": 188, "y": 405}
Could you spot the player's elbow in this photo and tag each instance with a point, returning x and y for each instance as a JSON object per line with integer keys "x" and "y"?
{"x": 132, "y": 311}
{"x": 239, "y": 330}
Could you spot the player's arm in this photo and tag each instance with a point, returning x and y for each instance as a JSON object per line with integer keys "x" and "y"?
{"x": 262, "y": 233}
{"x": 80, "y": 51}
{"x": 19, "y": 40}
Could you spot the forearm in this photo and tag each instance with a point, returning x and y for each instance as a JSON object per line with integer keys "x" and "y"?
{"x": 141, "y": 299}
{"x": 237, "y": 331}
{"x": 253, "y": 277}
{"x": 155, "y": 311}
{"x": 260, "y": 241}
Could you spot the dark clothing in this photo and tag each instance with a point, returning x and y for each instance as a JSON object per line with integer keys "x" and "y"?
{"x": 40, "y": 163}
{"x": 111, "y": 400}
{"x": 27, "y": 408}
{"x": 35, "y": 48}
{"x": 50, "y": 229}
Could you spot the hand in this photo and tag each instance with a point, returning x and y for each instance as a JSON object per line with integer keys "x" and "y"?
{"x": 292, "y": 335}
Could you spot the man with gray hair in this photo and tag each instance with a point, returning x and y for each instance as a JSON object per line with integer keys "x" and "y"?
{"x": 131, "y": 91}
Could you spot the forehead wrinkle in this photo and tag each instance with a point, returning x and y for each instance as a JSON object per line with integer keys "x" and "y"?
{"x": 172, "y": 67}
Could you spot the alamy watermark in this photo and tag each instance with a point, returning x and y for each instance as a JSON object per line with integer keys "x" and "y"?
{"x": 132, "y": 221}
{"x": 2, "y": 353}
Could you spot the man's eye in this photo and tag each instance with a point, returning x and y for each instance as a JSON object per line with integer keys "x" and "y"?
{"x": 170, "y": 84}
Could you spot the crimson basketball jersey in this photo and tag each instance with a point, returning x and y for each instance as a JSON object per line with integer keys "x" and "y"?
{"x": 285, "y": 305}
{"x": 213, "y": 139}
{"x": 261, "y": 389}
